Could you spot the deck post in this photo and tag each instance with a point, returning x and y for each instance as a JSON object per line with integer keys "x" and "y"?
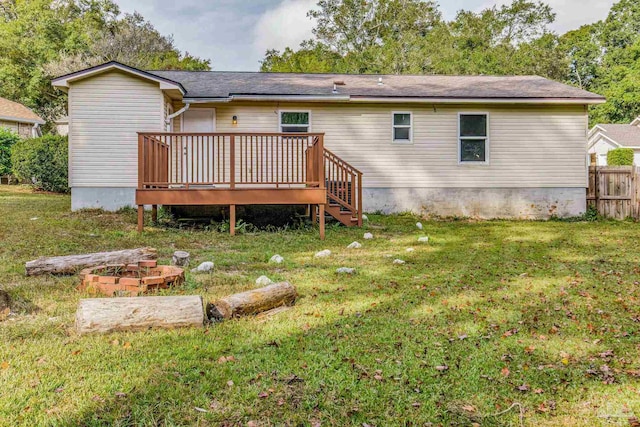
{"x": 321, "y": 206}
{"x": 232, "y": 162}
{"x": 154, "y": 214}
{"x": 232, "y": 220}
{"x": 140, "y": 218}
{"x": 314, "y": 214}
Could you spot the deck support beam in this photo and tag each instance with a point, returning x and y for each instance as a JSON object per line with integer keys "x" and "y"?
{"x": 154, "y": 214}
{"x": 140, "y": 218}
{"x": 321, "y": 214}
{"x": 314, "y": 214}
{"x": 232, "y": 220}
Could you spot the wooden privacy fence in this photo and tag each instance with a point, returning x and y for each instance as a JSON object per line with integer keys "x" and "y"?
{"x": 615, "y": 191}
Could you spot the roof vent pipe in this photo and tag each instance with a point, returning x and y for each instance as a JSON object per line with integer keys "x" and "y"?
{"x": 336, "y": 84}
{"x": 380, "y": 81}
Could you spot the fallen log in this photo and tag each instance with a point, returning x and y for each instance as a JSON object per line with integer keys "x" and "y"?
{"x": 139, "y": 313}
{"x": 253, "y": 302}
{"x": 72, "y": 263}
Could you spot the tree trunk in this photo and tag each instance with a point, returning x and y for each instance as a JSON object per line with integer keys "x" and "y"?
{"x": 138, "y": 313}
{"x": 72, "y": 263}
{"x": 253, "y": 302}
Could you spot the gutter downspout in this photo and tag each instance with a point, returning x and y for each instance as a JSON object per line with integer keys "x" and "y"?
{"x": 177, "y": 113}
{"x": 35, "y": 130}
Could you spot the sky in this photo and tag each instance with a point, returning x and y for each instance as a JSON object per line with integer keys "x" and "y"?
{"x": 234, "y": 34}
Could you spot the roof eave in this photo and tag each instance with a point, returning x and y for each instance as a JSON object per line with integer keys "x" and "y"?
{"x": 63, "y": 82}
{"x": 389, "y": 99}
{"x": 22, "y": 120}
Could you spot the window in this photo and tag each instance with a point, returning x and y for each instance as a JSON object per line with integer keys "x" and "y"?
{"x": 294, "y": 121}
{"x": 402, "y": 127}
{"x": 473, "y": 138}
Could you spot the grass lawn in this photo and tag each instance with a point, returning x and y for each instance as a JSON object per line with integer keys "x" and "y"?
{"x": 487, "y": 314}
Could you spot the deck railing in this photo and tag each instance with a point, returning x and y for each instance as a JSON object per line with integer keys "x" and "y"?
{"x": 228, "y": 160}
{"x": 344, "y": 185}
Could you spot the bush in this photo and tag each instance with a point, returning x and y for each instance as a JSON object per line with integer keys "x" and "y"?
{"x": 7, "y": 140}
{"x": 43, "y": 162}
{"x": 620, "y": 157}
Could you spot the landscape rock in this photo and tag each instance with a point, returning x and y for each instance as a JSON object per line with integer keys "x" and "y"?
{"x": 419, "y": 225}
{"x": 410, "y": 250}
{"x": 365, "y": 218}
{"x": 323, "y": 254}
{"x": 5, "y": 304}
{"x": 345, "y": 270}
{"x": 399, "y": 261}
{"x": 368, "y": 236}
{"x": 263, "y": 281}
{"x": 354, "y": 245}
{"x": 180, "y": 258}
{"x": 424, "y": 239}
{"x": 205, "y": 267}
{"x": 277, "y": 259}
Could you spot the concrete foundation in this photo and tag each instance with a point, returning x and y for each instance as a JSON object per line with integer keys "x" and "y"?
{"x": 486, "y": 203}
{"x": 107, "y": 198}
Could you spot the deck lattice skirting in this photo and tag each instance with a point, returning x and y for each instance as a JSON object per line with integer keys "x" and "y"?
{"x": 247, "y": 169}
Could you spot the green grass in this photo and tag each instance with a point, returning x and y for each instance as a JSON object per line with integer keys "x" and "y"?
{"x": 541, "y": 301}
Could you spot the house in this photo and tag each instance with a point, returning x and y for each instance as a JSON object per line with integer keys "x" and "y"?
{"x": 62, "y": 126}
{"x": 19, "y": 119}
{"x": 479, "y": 146}
{"x": 606, "y": 137}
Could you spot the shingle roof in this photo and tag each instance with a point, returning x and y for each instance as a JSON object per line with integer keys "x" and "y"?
{"x": 17, "y": 112}
{"x": 218, "y": 84}
{"x": 625, "y": 135}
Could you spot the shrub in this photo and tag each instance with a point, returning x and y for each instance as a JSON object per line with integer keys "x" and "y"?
{"x": 43, "y": 162}
{"x": 620, "y": 157}
{"x": 7, "y": 140}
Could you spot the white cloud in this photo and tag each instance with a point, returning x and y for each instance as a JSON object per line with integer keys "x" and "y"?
{"x": 285, "y": 25}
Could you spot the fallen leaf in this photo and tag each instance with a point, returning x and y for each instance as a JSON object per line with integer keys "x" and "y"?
{"x": 523, "y": 387}
{"x": 529, "y": 349}
{"x": 538, "y": 391}
{"x": 200, "y": 409}
{"x": 442, "y": 368}
{"x": 115, "y": 342}
{"x": 505, "y": 372}
{"x": 76, "y": 352}
{"x": 263, "y": 395}
{"x": 4, "y": 365}
{"x": 126, "y": 345}
{"x": 565, "y": 361}
{"x": 230, "y": 383}
{"x": 469, "y": 408}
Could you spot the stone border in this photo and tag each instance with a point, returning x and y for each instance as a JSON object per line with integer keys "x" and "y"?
{"x": 130, "y": 279}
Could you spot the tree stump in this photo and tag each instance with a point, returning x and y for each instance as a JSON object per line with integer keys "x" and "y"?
{"x": 72, "y": 263}
{"x": 5, "y": 304}
{"x": 253, "y": 302}
{"x": 180, "y": 259}
{"x": 139, "y": 313}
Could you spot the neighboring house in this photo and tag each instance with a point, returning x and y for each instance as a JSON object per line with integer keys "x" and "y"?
{"x": 62, "y": 126}
{"x": 19, "y": 119}
{"x": 604, "y": 138}
{"x": 480, "y": 146}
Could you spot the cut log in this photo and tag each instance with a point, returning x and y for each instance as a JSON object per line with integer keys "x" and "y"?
{"x": 138, "y": 313}
{"x": 253, "y": 302}
{"x": 72, "y": 263}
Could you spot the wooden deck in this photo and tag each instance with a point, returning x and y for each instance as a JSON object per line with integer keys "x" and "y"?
{"x": 247, "y": 169}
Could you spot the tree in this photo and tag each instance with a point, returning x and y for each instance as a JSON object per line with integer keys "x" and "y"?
{"x": 40, "y": 39}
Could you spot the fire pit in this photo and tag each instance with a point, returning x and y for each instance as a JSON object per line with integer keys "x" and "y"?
{"x": 130, "y": 279}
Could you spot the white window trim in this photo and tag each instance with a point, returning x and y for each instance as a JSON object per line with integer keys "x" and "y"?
{"x": 487, "y": 146}
{"x": 292, "y": 111}
{"x": 393, "y": 126}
